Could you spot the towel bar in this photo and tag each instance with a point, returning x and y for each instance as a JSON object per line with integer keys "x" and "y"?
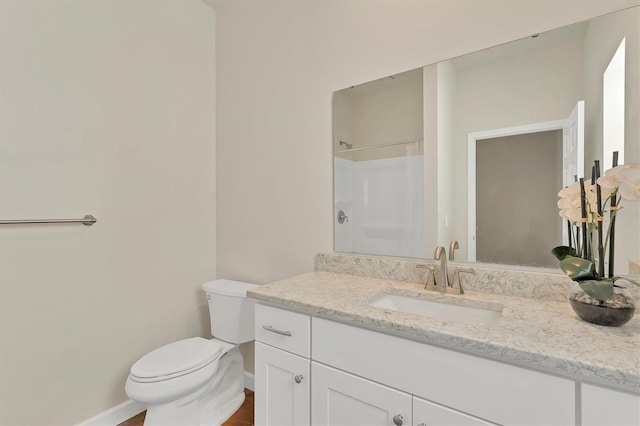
{"x": 88, "y": 220}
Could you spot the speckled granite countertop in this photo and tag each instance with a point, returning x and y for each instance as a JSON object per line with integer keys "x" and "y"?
{"x": 541, "y": 334}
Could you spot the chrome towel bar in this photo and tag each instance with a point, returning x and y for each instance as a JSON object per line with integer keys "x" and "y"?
{"x": 88, "y": 220}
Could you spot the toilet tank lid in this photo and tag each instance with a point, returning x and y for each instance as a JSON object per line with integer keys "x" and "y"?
{"x": 227, "y": 287}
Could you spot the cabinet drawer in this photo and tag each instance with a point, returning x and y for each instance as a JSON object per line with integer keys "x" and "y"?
{"x": 283, "y": 329}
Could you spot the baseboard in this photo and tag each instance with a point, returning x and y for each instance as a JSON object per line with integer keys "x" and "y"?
{"x": 115, "y": 415}
{"x": 249, "y": 381}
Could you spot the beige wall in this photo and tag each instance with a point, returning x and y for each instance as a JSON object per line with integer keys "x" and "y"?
{"x": 279, "y": 63}
{"x": 106, "y": 108}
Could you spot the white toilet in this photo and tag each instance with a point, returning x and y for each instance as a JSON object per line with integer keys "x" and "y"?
{"x": 197, "y": 381}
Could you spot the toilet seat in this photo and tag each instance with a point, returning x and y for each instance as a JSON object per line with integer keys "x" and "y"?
{"x": 175, "y": 359}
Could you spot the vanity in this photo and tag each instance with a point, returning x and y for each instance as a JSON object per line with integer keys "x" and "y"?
{"x": 331, "y": 350}
{"x": 360, "y": 341}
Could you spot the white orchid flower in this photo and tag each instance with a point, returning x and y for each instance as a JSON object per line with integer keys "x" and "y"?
{"x": 630, "y": 182}
{"x": 611, "y": 178}
{"x": 625, "y": 178}
{"x": 570, "y": 204}
{"x": 572, "y": 215}
{"x": 573, "y": 189}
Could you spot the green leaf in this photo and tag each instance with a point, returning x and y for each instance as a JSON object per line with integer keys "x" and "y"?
{"x": 600, "y": 290}
{"x": 578, "y": 269}
{"x": 561, "y": 252}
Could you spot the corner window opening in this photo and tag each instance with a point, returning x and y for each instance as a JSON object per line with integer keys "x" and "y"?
{"x": 613, "y": 108}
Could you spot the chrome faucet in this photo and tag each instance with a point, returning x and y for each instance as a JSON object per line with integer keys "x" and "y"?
{"x": 441, "y": 255}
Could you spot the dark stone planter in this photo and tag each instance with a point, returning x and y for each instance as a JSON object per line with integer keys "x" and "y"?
{"x": 602, "y": 315}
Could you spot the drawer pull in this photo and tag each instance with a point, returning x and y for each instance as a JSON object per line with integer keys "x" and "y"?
{"x": 298, "y": 378}
{"x": 398, "y": 420}
{"x": 275, "y": 330}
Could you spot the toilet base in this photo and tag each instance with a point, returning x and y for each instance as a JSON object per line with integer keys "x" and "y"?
{"x": 212, "y": 406}
{"x": 222, "y": 414}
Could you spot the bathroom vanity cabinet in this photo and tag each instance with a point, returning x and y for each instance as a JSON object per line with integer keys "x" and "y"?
{"x": 359, "y": 376}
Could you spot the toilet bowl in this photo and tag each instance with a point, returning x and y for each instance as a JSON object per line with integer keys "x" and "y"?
{"x": 198, "y": 381}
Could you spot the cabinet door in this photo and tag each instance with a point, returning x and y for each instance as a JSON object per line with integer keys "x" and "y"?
{"x": 604, "y": 407}
{"x": 282, "y": 387}
{"x": 340, "y": 398}
{"x": 426, "y": 413}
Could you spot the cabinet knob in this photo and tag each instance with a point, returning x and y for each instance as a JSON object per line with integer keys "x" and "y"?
{"x": 298, "y": 378}
{"x": 397, "y": 420}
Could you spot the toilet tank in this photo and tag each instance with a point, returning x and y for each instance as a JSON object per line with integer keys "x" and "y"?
{"x": 230, "y": 310}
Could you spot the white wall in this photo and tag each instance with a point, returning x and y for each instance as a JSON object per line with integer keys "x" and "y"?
{"x": 601, "y": 42}
{"x": 106, "y": 108}
{"x": 279, "y": 62}
{"x": 448, "y": 227}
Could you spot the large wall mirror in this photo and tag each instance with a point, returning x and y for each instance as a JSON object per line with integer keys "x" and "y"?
{"x": 476, "y": 148}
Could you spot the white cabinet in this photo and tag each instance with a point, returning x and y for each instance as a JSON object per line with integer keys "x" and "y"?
{"x": 282, "y": 387}
{"x": 282, "y": 379}
{"x": 427, "y": 413}
{"x": 608, "y": 407}
{"x": 321, "y": 372}
{"x": 340, "y": 398}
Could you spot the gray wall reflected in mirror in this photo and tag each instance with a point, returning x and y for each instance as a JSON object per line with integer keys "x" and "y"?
{"x": 530, "y": 170}
{"x": 402, "y": 143}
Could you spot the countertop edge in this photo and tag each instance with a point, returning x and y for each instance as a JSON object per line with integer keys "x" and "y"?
{"x": 483, "y": 347}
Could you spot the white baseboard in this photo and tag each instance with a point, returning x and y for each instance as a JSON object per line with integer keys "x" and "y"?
{"x": 121, "y": 412}
{"x": 249, "y": 381}
{"x": 115, "y": 415}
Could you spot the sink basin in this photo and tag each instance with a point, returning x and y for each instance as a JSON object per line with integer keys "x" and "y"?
{"x": 441, "y": 308}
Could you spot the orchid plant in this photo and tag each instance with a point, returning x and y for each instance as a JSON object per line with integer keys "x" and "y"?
{"x": 584, "y": 205}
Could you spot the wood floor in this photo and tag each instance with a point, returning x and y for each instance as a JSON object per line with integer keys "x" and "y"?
{"x": 242, "y": 417}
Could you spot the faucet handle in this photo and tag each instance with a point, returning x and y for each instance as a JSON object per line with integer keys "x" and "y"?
{"x": 457, "y": 273}
{"x": 431, "y": 270}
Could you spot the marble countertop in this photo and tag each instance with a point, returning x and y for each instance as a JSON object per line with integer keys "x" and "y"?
{"x": 542, "y": 334}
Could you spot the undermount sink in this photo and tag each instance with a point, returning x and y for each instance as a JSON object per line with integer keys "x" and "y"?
{"x": 442, "y": 308}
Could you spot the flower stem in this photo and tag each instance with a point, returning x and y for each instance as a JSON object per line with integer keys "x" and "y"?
{"x": 583, "y": 209}
{"x": 599, "y": 221}
{"x": 612, "y": 225}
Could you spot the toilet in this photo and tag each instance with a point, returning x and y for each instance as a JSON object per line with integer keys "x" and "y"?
{"x": 198, "y": 381}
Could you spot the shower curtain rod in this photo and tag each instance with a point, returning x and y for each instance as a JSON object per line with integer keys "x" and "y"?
{"x": 380, "y": 146}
